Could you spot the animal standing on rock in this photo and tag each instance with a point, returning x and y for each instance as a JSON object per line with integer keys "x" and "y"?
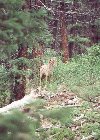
{"x": 46, "y": 70}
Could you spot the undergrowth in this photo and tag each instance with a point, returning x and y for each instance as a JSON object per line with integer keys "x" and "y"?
{"x": 81, "y": 74}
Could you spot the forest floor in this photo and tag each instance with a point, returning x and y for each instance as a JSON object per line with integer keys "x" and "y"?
{"x": 61, "y": 115}
{"x": 64, "y": 99}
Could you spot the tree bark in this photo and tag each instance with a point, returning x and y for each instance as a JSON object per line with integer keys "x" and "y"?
{"x": 20, "y": 80}
{"x": 64, "y": 36}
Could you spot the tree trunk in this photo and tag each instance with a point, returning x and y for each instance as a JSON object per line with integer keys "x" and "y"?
{"x": 20, "y": 80}
{"x": 19, "y": 88}
{"x": 64, "y": 36}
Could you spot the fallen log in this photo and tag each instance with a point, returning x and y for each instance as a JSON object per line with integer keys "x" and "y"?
{"x": 20, "y": 103}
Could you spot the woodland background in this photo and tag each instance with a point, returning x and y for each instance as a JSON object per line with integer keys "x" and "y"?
{"x": 32, "y": 32}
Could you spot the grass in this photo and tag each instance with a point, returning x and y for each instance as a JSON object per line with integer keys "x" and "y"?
{"x": 81, "y": 74}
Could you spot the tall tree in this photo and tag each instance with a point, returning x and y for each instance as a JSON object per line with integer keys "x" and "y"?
{"x": 82, "y": 21}
{"x": 64, "y": 35}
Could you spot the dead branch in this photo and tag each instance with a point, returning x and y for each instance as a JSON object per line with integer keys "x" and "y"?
{"x": 47, "y": 8}
{"x": 79, "y": 118}
{"x": 93, "y": 135}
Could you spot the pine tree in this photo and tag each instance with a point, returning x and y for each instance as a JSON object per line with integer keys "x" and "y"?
{"x": 21, "y": 29}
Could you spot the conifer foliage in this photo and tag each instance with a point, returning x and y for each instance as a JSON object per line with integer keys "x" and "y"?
{"x": 21, "y": 29}
{"x": 17, "y": 126}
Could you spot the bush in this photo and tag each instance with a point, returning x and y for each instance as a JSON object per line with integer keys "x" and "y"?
{"x": 17, "y": 126}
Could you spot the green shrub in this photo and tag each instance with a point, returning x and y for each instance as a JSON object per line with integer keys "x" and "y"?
{"x": 17, "y": 126}
{"x": 61, "y": 133}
